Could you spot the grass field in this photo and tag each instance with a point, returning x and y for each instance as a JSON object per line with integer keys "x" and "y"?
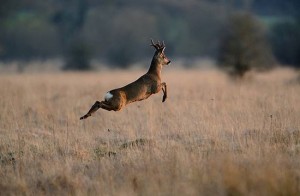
{"x": 212, "y": 136}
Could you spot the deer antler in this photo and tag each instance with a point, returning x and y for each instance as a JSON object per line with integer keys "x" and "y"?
{"x": 158, "y": 45}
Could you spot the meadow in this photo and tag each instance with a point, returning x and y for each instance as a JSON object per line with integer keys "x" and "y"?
{"x": 212, "y": 136}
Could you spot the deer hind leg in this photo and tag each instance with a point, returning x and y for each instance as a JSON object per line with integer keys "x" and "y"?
{"x": 107, "y": 106}
{"x": 103, "y": 104}
{"x": 93, "y": 109}
{"x": 164, "y": 89}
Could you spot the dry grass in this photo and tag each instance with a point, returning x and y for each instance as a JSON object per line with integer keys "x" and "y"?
{"x": 211, "y": 137}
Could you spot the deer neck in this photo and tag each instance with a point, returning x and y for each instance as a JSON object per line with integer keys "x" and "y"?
{"x": 155, "y": 68}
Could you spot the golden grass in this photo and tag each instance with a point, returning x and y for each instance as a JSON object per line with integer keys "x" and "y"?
{"x": 212, "y": 136}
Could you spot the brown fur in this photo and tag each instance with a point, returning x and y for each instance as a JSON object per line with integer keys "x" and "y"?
{"x": 148, "y": 84}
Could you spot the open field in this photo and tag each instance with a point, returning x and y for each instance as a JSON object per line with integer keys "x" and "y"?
{"x": 211, "y": 137}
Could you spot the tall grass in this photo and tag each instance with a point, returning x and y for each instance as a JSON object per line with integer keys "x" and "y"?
{"x": 212, "y": 136}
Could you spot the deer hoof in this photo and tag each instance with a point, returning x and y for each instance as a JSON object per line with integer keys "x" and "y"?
{"x": 84, "y": 117}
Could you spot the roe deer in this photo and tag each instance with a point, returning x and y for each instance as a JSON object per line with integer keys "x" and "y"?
{"x": 148, "y": 84}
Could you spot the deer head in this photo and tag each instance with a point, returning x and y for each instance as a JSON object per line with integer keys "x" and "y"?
{"x": 159, "y": 55}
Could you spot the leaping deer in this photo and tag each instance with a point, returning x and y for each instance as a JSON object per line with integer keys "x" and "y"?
{"x": 148, "y": 84}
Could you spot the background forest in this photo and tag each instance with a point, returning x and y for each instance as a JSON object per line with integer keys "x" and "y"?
{"x": 117, "y": 33}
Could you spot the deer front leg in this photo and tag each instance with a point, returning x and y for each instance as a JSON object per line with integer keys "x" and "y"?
{"x": 93, "y": 109}
{"x": 164, "y": 89}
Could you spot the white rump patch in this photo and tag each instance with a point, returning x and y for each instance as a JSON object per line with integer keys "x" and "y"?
{"x": 108, "y": 96}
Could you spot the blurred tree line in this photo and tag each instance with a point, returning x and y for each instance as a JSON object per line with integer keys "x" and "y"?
{"x": 118, "y": 32}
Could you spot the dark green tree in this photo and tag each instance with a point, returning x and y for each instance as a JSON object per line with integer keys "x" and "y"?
{"x": 244, "y": 45}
